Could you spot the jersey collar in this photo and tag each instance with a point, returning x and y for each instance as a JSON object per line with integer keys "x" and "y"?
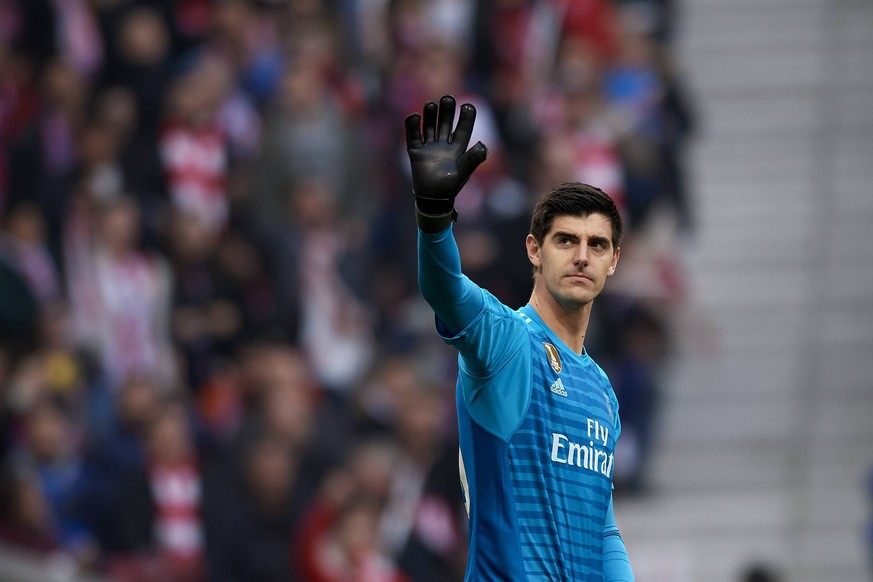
{"x": 531, "y": 314}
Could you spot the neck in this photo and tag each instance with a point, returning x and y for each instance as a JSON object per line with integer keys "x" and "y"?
{"x": 568, "y": 322}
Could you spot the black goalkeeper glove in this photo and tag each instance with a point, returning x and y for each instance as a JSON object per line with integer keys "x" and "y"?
{"x": 441, "y": 163}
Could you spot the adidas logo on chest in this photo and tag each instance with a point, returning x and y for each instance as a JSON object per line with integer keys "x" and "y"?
{"x": 557, "y": 387}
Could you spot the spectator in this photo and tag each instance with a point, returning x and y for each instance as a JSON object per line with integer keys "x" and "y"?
{"x": 120, "y": 295}
{"x": 140, "y": 60}
{"x": 133, "y": 164}
{"x": 62, "y": 28}
{"x": 346, "y": 550}
{"x": 193, "y": 143}
{"x": 515, "y": 44}
{"x": 247, "y": 34}
{"x": 27, "y": 520}
{"x": 322, "y": 549}
{"x": 252, "y": 526}
{"x": 285, "y": 402}
{"x": 422, "y": 521}
{"x": 642, "y": 348}
{"x": 574, "y": 118}
{"x": 159, "y": 519}
{"x": 122, "y": 450}
{"x": 43, "y": 157}
{"x": 244, "y": 275}
{"x": 205, "y": 318}
{"x": 51, "y": 451}
{"x": 309, "y": 138}
{"x": 99, "y": 166}
{"x": 313, "y": 263}
{"x": 24, "y": 246}
{"x": 54, "y": 369}
{"x": 653, "y": 119}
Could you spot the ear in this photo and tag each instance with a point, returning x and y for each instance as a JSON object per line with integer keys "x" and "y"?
{"x": 533, "y": 251}
{"x": 614, "y": 264}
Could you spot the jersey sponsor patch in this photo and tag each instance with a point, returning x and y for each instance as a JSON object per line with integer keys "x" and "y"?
{"x": 554, "y": 358}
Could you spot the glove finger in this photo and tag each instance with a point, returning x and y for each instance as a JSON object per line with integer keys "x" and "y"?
{"x": 469, "y": 161}
{"x": 466, "y": 119}
{"x": 446, "y": 118}
{"x": 430, "y": 121}
{"x": 413, "y": 131}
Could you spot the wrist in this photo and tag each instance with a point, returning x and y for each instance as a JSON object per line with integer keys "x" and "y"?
{"x": 435, "y": 205}
{"x": 434, "y": 222}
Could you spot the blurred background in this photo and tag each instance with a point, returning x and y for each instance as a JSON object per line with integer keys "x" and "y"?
{"x": 214, "y": 361}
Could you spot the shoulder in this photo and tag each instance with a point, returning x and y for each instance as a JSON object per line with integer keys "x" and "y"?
{"x": 494, "y": 312}
{"x": 495, "y": 340}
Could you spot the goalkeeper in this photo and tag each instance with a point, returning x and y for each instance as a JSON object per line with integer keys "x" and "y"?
{"x": 537, "y": 417}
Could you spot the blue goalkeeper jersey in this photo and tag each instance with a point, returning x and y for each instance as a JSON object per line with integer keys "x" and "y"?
{"x": 538, "y": 425}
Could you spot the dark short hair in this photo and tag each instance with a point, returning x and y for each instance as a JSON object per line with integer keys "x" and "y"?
{"x": 574, "y": 199}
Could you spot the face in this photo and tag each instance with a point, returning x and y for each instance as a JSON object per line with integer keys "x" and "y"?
{"x": 169, "y": 442}
{"x": 271, "y": 472}
{"x": 120, "y": 225}
{"x": 46, "y": 432}
{"x": 574, "y": 260}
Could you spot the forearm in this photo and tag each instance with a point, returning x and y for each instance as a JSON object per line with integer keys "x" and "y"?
{"x": 454, "y": 298}
{"x": 616, "y": 564}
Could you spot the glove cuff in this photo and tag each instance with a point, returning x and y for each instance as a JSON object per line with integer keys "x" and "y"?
{"x": 434, "y": 222}
{"x": 435, "y": 206}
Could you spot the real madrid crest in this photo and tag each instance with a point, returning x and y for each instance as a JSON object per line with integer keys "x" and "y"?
{"x": 554, "y": 358}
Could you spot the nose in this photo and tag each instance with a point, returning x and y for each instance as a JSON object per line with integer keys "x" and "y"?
{"x": 581, "y": 256}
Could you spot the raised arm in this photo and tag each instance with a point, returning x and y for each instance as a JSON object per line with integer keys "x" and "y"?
{"x": 440, "y": 161}
{"x": 441, "y": 165}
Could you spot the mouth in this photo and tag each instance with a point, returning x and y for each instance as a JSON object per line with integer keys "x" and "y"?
{"x": 579, "y": 277}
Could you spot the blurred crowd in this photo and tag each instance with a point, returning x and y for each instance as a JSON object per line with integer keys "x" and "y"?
{"x": 214, "y": 360}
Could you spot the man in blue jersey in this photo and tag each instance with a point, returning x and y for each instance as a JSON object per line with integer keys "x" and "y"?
{"x": 537, "y": 417}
